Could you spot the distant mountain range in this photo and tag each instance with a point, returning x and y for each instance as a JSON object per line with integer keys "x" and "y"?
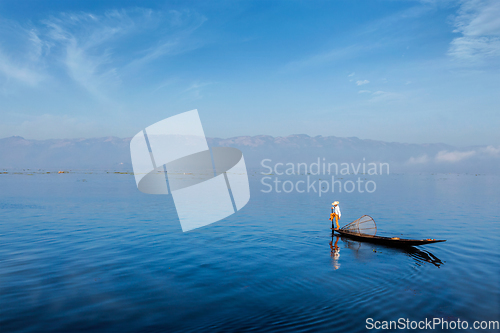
{"x": 111, "y": 153}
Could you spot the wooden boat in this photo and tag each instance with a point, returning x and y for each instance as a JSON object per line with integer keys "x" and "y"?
{"x": 393, "y": 241}
{"x": 364, "y": 229}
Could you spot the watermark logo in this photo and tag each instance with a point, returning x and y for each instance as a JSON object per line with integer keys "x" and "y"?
{"x": 172, "y": 156}
{"x": 320, "y": 177}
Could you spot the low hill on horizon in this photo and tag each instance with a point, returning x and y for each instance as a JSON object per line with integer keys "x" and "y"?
{"x": 112, "y": 153}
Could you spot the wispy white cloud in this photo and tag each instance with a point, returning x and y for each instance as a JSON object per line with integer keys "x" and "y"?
{"x": 454, "y": 156}
{"x": 24, "y": 63}
{"x": 88, "y": 43}
{"x": 362, "y": 82}
{"x": 478, "y": 23}
{"x": 352, "y": 74}
{"x": 163, "y": 84}
{"x": 381, "y": 96}
{"x": 418, "y": 160}
{"x": 385, "y": 96}
{"x": 348, "y": 52}
{"x": 195, "y": 89}
{"x": 82, "y": 43}
{"x": 478, "y": 18}
{"x": 322, "y": 58}
{"x": 18, "y": 71}
{"x": 175, "y": 43}
{"x": 89, "y": 47}
{"x": 475, "y": 49}
{"x": 492, "y": 151}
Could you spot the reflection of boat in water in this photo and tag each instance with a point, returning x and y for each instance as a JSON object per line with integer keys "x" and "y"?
{"x": 419, "y": 256}
{"x": 365, "y": 229}
{"x": 422, "y": 256}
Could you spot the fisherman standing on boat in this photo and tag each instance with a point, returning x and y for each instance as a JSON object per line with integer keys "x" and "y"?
{"x": 335, "y": 214}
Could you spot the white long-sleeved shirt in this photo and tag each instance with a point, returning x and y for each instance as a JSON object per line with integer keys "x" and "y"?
{"x": 337, "y": 210}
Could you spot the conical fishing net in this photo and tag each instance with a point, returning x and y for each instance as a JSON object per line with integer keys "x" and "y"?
{"x": 364, "y": 225}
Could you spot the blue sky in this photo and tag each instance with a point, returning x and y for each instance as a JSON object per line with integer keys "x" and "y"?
{"x": 406, "y": 71}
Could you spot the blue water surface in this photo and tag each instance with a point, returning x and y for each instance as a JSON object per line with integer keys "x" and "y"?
{"x": 86, "y": 251}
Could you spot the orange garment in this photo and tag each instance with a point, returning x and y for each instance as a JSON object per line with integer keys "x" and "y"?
{"x": 332, "y": 216}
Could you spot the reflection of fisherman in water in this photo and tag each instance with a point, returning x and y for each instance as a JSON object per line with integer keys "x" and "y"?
{"x": 335, "y": 252}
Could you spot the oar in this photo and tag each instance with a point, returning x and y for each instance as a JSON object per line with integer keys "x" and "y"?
{"x": 333, "y": 229}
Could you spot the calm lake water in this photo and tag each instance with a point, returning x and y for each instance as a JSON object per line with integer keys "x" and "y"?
{"x": 88, "y": 251}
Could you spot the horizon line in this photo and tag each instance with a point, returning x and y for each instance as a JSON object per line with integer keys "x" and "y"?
{"x": 259, "y": 135}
